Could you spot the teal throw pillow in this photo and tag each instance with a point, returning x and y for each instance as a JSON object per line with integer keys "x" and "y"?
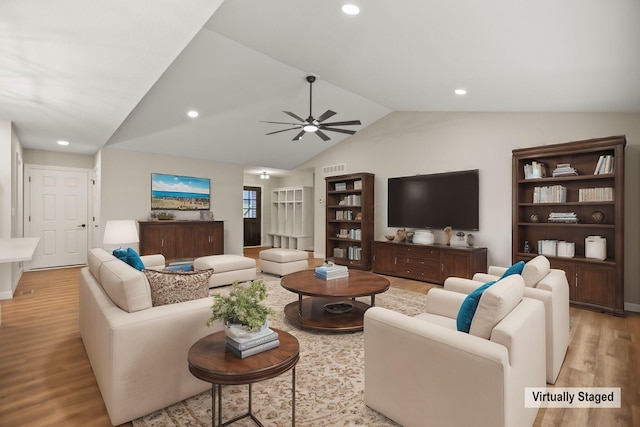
{"x": 129, "y": 256}
{"x": 468, "y": 308}
{"x": 514, "y": 269}
{"x": 134, "y": 260}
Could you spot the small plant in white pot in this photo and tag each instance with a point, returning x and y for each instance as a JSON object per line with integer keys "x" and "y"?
{"x": 242, "y": 311}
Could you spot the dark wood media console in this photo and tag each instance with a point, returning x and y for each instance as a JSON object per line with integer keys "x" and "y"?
{"x": 428, "y": 263}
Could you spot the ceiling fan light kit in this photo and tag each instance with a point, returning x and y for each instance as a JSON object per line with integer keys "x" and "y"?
{"x": 313, "y": 125}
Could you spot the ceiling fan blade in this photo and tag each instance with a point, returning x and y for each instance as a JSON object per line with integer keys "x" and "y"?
{"x": 326, "y": 115}
{"x": 350, "y": 132}
{"x": 347, "y": 123}
{"x": 299, "y": 136}
{"x": 281, "y": 123}
{"x": 322, "y": 135}
{"x": 283, "y": 130}
{"x": 294, "y": 116}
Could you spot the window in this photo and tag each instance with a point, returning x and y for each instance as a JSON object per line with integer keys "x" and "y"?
{"x": 249, "y": 204}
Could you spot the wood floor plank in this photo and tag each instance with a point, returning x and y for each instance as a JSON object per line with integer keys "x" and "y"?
{"x": 46, "y": 379}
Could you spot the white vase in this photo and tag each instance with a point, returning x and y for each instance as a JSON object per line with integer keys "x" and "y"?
{"x": 236, "y": 330}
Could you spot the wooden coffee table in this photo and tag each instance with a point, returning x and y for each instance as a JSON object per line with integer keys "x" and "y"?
{"x": 310, "y": 313}
{"x": 211, "y": 361}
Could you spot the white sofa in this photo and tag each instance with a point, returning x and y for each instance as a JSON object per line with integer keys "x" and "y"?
{"x": 422, "y": 371}
{"x": 138, "y": 352}
{"x": 544, "y": 284}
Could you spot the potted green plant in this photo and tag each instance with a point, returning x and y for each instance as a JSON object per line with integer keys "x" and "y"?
{"x": 241, "y": 311}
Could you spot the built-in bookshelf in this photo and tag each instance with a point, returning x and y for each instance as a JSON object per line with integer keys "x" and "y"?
{"x": 582, "y": 199}
{"x": 349, "y": 219}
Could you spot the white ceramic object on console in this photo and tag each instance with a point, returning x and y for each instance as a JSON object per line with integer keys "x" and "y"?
{"x": 424, "y": 237}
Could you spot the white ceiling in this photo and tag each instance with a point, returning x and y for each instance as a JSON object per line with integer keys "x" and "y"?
{"x": 124, "y": 73}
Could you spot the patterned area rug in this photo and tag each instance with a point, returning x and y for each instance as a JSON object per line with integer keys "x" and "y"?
{"x": 329, "y": 377}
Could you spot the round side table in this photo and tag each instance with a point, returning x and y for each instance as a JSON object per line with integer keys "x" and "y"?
{"x": 211, "y": 361}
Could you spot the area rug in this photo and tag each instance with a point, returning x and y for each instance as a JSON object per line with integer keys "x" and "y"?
{"x": 329, "y": 377}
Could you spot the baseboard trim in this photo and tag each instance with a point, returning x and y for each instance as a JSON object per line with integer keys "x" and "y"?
{"x": 630, "y": 306}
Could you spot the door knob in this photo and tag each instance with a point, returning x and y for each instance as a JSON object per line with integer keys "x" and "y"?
{"x": 83, "y": 225}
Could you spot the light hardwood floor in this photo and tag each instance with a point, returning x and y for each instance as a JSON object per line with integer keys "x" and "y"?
{"x": 46, "y": 379}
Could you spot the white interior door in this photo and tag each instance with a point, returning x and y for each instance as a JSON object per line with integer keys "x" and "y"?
{"x": 57, "y": 214}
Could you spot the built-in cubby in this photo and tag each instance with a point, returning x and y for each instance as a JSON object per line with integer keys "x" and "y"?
{"x": 292, "y": 218}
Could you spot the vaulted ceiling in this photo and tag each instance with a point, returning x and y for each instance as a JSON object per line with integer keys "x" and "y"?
{"x": 125, "y": 73}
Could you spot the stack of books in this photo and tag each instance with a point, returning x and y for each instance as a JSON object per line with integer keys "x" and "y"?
{"x": 564, "y": 169}
{"x": 328, "y": 272}
{"x": 567, "y": 217}
{"x": 256, "y": 343}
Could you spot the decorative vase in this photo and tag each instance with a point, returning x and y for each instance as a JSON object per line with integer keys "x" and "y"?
{"x": 527, "y": 248}
{"x": 401, "y": 235}
{"x": 597, "y": 217}
{"x": 238, "y": 330}
{"x": 534, "y": 218}
{"x": 470, "y": 239}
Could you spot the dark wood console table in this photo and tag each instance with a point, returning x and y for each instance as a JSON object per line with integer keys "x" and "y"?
{"x": 428, "y": 263}
{"x": 179, "y": 240}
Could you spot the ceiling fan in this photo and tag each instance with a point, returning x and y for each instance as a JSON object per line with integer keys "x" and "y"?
{"x": 313, "y": 125}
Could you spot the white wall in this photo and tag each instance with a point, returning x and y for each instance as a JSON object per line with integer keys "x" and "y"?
{"x": 408, "y": 143}
{"x": 126, "y": 189}
{"x": 58, "y": 158}
{"x": 11, "y": 184}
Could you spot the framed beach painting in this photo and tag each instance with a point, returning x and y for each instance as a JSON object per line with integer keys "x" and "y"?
{"x": 175, "y": 192}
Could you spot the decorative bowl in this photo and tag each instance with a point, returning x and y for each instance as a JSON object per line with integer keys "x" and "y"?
{"x": 389, "y": 236}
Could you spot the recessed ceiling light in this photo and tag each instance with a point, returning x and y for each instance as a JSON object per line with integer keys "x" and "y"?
{"x": 63, "y": 142}
{"x": 193, "y": 114}
{"x": 460, "y": 91}
{"x": 350, "y": 9}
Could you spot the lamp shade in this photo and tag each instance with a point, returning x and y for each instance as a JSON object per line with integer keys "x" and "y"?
{"x": 118, "y": 232}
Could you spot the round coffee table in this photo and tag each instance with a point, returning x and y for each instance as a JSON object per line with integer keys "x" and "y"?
{"x": 311, "y": 313}
{"x": 211, "y": 361}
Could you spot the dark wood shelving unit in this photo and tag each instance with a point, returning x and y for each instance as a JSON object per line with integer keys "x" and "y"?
{"x": 352, "y": 193}
{"x": 596, "y": 284}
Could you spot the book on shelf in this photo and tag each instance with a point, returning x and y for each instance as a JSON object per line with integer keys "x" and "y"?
{"x": 534, "y": 170}
{"x": 566, "y": 217}
{"x": 341, "y": 186}
{"x": 357, "y": 185}
{"x": 550, "y": 194}
{"x": 564, "y": 169}
{"x": 254, "y": 350}
{"x": 604, "y": 165}
{"x": 258, "y": 338}
{"x": 602, "y": 194}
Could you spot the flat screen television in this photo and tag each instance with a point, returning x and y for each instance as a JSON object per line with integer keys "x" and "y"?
{"x": 175, "y": 192}
{"x": 434, "y": 201}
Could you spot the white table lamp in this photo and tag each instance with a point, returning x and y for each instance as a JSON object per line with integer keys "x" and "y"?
{"x": 119, "y": 232}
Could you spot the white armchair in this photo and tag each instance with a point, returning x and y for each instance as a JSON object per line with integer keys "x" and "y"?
{"x": 422, "y": 371}
{"x": 544, "y": 284}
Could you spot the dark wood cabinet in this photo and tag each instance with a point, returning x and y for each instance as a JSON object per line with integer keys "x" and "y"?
{"x": 428, "y": 263}
{"x": 594, "y": 196}
{"x": 349, "y": 219}
{"x": 179, "y": 240}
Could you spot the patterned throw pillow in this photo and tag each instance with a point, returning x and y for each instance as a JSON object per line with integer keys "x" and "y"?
{"x": 171, "y": 287}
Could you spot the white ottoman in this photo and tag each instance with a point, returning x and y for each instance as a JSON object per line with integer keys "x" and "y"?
{"x": 283, "y": 261}
{"x": 227, "y": 268}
